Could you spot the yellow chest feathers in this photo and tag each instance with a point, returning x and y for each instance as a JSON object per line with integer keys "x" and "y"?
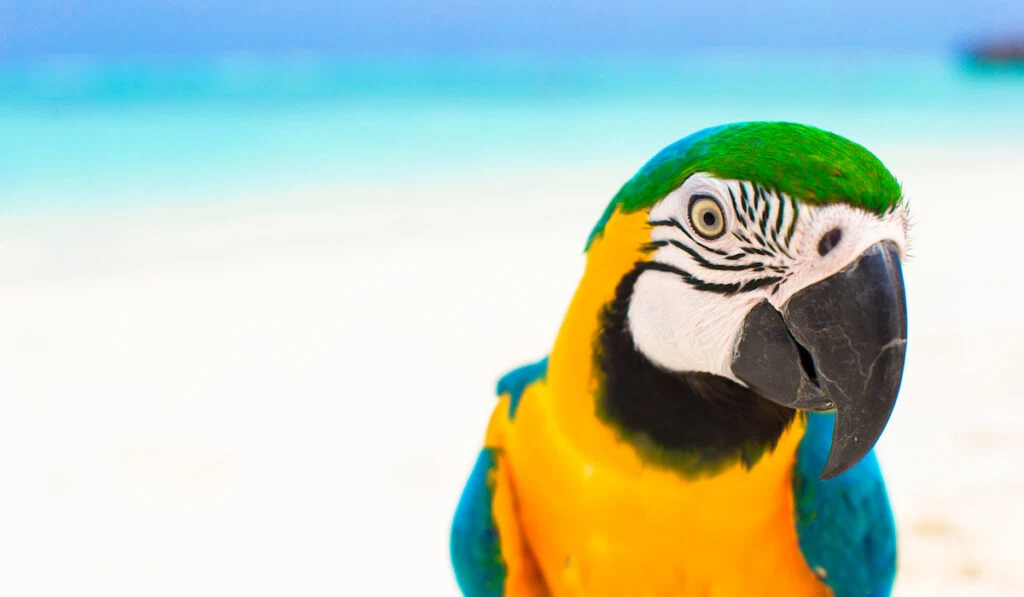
{"x": 600, "y": 521}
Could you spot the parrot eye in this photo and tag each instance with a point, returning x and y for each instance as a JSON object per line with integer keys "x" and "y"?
{"x": 706, "y": 217}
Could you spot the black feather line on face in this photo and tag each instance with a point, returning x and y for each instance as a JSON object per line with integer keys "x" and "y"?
{"x": 778, "y": 246}
{"x": 740, "y": 236}
{"x": 674, "y": 223}
{"x": 690, "y": 279}
{"x": 719, "y": 288}
{"x": 792, "y": 224}
{"x": 736, "y": 208}
{"x": 765, "y": 214}
{"x": 704, "y": 263}
{"x": 757, "y": 251}
{"x": 781, "y": 217}
{"x": 746, "y": 203}
{"x": 759, "y": 283}
{"x": 767, "y": 195}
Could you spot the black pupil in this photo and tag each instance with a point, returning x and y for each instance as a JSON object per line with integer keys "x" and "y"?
{"x": 709, "y": 218}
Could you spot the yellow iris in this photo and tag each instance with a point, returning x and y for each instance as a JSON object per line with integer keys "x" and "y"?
{"x": 707, "y": 218}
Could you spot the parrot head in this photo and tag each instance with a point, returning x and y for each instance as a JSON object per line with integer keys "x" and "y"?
{"x": 767, "y": 257}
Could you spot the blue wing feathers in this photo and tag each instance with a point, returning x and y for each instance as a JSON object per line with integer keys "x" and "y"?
{"x": 476, "y": 556}
{"x": 845, "y": 525}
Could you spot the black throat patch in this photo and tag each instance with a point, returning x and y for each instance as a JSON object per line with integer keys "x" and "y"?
{"x": 696, "y": 423}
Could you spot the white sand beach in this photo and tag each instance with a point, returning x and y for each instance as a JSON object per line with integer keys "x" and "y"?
{"x": 283, "y": 395}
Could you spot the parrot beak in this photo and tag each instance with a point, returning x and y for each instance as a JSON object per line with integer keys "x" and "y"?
{"x": 839, "y": 343}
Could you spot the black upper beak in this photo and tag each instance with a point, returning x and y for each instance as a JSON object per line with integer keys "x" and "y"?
{"x": 839, "y": 343}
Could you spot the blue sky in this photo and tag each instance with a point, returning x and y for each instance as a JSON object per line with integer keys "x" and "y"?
{"x": 39, "y": 28}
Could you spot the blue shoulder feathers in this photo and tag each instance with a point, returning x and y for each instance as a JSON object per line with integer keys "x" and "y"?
{"x": 845, "y": 525}
{"x": 516, "y": 381}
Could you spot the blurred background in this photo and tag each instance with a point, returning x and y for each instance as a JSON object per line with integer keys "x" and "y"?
{"x": 261, "y": 263}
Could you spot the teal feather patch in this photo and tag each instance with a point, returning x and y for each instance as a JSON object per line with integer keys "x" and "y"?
{"x": 845, "y": 525}
{"x": 516, "y": 381}
{"x": 475, "y": 547}
{"x": 807, "y": 163}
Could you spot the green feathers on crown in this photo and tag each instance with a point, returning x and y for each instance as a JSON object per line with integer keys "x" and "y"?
{"x": 807, "y": 163}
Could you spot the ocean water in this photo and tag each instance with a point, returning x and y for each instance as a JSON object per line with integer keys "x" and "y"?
{"x": 78, "y": 132}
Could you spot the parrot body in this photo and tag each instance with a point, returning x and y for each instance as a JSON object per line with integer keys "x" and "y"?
{"x": 607, "y": 472}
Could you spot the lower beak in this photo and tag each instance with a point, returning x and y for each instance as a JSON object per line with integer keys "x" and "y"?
{"x": 839, "y": 343}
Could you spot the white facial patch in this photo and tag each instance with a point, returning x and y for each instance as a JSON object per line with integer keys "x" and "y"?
{"x": 688, "y": 308}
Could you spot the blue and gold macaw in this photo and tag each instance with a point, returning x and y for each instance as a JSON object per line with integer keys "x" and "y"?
{"x": 704, "y": 423}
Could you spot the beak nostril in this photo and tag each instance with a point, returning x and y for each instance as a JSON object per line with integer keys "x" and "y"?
{"x": 829, "y": 241}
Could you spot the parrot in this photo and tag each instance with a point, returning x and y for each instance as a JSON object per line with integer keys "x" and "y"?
{"x": 706, "y": 419}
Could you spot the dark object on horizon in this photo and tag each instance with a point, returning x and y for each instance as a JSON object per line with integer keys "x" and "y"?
{"x": 1002, "y": 52}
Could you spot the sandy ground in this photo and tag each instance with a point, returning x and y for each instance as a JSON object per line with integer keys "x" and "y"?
{"x": 257, "y": 397}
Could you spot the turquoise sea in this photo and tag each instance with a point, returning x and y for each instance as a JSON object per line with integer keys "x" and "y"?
{"x": 86, "y": 132}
